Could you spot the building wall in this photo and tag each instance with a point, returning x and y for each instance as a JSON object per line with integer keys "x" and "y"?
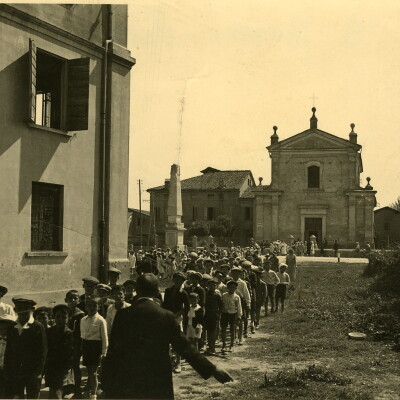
{"x": 138, "y": 220}
{"x": 387, "y": 227}
{"x": 224, "y": 202}
{"x": 28, "y": 154}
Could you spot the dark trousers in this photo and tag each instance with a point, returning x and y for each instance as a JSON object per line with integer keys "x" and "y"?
{"x": 270, "y": 297}
{"x": 77, "y": 369}
{"x": 257, "y": 313}
{"x": 17, "y": 387}
{"x": 210, "y": 324}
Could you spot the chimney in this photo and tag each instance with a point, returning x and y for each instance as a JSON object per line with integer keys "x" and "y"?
{"x": 313, "y": 119}
{"x": 352, "y": 135}
{"x": 166, "y": 183}
{"x": 274, "y": 137}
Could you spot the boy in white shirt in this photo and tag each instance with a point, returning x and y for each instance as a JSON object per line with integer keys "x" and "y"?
{"x": 280, "y": 294}
{"x": 231, "y": 313}
{"x": 118, "y": 295}
{"x": 94, "y": 342}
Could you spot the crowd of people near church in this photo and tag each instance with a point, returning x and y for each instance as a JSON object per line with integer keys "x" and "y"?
{"x": 217, "y": 297}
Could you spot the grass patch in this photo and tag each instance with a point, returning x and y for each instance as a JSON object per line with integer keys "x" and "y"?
{"x": 308, "y": 349}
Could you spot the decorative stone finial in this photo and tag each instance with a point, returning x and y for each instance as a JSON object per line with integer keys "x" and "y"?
{"x": 352, "y": 134}
{"x": 369, "y": 187}
{"x": 260, "y": 179}
{"x": 313, "y": 119}
{"x": 274, "y": 137}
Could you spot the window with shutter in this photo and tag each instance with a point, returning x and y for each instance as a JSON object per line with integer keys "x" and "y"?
{"x": 58, "y": 91}
{"x": 32, "y": 81}
{"x": 78, "y": 94}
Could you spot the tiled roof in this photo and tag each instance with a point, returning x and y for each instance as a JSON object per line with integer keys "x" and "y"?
{"x": 138, "y": 211}
{"x": 228, "y": 180}
{"x": 249, "y": 192}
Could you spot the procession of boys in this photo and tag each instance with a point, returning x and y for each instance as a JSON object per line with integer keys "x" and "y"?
{"x": 131, "y": 336}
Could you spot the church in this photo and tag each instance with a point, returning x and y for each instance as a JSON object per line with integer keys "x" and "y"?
{"x": 315, "y": 190}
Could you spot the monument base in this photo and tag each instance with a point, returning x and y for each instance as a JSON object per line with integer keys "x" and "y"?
{"x": 174, "y": 238}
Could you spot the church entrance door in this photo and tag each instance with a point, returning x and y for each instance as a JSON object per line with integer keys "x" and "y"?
{"x": 313, "y": 226}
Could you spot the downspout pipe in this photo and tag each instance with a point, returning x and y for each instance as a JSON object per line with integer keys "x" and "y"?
{"x": 104, "y": 154}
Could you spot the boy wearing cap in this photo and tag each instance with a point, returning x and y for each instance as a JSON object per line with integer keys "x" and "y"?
{"x": 72, "y": 300}
{"x": 231, "y": 313}
{"x": 6, "y": 320}
{"x": 212, "y": 314}
{"x": 43, "y": 315}
{"x": 261, "y": 295}
{"x": 130, "y": 289}
{"x": 60, "y": 356}
{"x": 271, "y": 279}
{"x": 104, "y": 293}
{"x": 113, "y": 276}
{"x": 26, "y": 352}
{"x": 176, "y": 300}
{"x": 195, "y": 320}
{"x": 89, "y": 285}
{"x": 5, "y": 308}
{"x": 118, "y": 295}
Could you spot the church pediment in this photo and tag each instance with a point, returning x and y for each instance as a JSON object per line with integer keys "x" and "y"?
{"x": 314, "y": 139}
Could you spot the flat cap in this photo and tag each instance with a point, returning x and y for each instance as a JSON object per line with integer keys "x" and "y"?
{"x": 179, "y": 274}
{"x": 61, "y": 307}
{"x": 129, "y": 282}
{"x": 207, "y": 277}
{"x": 232, "y": 283}
{"x": 236, "y": 269}
{"x": 246, "y": 264}
{"x": 198, "y": 274}
{"x": 91, "y": 279}
{"x": 193, "y": 254}
{"x": 102, "y": 286}
{"x": 114, "y": 270}
{"x": 23, "y": 304}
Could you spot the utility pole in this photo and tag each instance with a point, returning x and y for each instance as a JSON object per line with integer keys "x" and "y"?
{"x": 140, "y": 213}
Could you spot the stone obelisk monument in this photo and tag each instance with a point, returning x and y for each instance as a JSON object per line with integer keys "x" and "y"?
{"x": 174, "y": 228}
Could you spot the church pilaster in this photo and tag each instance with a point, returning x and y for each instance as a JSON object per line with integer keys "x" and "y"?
{"x": 352, "y": 219}
{"x": 275, "y": 216}
{"x": 259, "y": 217}
{"x": 369, "y": 219}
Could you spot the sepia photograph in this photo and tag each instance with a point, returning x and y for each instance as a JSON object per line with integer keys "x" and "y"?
{"x": 201, "y": 200}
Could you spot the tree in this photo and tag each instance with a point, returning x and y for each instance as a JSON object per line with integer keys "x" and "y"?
{"x": 222, "y": 227}
{"x": 199, "y": 228}
{"x": 396, "y": 204}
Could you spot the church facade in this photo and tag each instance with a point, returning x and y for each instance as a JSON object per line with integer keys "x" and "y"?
{"x": 315, "y": 190}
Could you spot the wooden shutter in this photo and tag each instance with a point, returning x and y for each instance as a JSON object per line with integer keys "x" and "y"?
{"x": 32, "y": 80}
{"x": 78, "y": 94}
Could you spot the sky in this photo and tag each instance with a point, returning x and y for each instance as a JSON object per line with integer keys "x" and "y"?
{"x": 213, "y": 77}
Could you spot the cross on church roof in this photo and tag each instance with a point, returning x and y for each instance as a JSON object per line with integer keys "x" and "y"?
{"x": 313, "y": 98}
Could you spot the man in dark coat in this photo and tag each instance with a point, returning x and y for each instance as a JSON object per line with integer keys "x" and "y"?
{"x": 138, "y": 364}
{"x": 25, "y": 353}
